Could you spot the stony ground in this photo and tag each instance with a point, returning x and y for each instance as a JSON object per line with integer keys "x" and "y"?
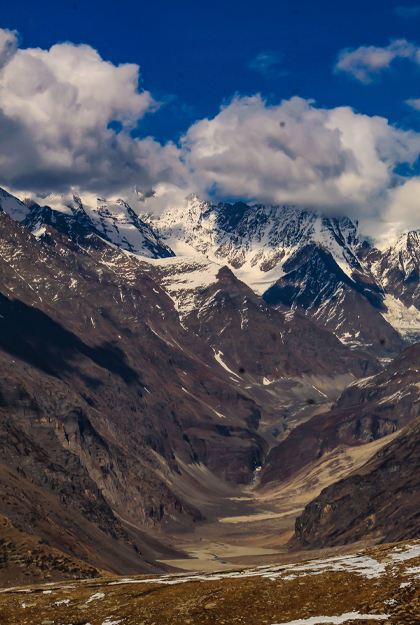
{"x": 381, "y": 584}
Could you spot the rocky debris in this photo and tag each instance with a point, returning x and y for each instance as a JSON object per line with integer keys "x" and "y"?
{"x": 377, "y": 585}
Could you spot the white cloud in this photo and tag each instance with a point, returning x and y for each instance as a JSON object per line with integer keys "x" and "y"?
{"x": 415, "y": 104}
{"x": 335, "y": 160}
{"x": 403, "y": 210}
{"x": 366, "y": 61}
{"x": 55, "y": 106}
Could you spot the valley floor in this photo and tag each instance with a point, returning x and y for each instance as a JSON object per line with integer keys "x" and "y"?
{"x": 252, "y": 526}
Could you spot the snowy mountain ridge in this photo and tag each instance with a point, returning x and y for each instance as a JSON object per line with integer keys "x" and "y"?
{"x": 297, "y": 258}
{"x": 292, "y": 257}
{"x": 114, "y": 221}
{"x": 255, "y": 241}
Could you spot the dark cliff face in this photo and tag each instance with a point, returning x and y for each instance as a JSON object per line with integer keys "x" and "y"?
{"x": 398, "y": 268}
{"x": 381, "y": 500}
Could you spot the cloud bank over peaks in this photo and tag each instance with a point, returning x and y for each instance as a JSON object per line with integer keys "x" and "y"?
{"x": 56, "y": 136}
{"x": 337, "y": 161}
{"x": 365, "y": 62}
{"x": 55, "y": 109}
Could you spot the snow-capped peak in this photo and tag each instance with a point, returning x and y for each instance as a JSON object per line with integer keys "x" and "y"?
{"x": 113, "y": 220}
{"x": 14, "y": 207}
{"x": 255, "y": 241}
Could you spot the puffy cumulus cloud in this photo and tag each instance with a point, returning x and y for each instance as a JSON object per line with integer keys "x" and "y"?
{"x": 366, "y": 61}
{"x": 403, "y": 211}
{"x": 337, "y": 161}
{"x": 55, "y": 110}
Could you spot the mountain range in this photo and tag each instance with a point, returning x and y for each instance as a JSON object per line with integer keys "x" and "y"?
{"x": 161, "y": 371}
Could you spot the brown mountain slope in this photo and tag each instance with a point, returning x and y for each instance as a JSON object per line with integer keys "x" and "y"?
{"x": 25, "y": 559}
{"x": 381, "y": 500}
{"x": 265, "y": 342}
{"x": 366, "y": 411}
{"x": 105, "y": 395}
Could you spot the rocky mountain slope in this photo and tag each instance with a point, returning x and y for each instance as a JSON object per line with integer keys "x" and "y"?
{"x": 380, "y": 500}
{"x": 125, "y": 368}
{"x": 352, "y": 309}
{"x": 115, "y": 222}
{"x": 91, "y": 438}
{"x": 26, "y": 559}
{"x": 366, "y": 411}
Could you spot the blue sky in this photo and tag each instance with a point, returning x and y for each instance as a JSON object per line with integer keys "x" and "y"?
{"x": 194, "y": 55}
{"x": 315, "y": 104}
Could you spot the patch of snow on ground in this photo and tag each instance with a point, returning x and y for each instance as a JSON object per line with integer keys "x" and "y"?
{"x": 184, "y": 278}
{"x": 412, "y": 570}
{"x": 218, "y": 356}
{"x": 97, "y": 595}
{"x": 400, "y": 555}
{"x": 361, "y": 565}
{"x": 343, "y": 618}
{"x": 357, "y": 564}
{"x": 363, "y": 382}
{"x": 39, "y": 232}
{"x": 14, "y": 207}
